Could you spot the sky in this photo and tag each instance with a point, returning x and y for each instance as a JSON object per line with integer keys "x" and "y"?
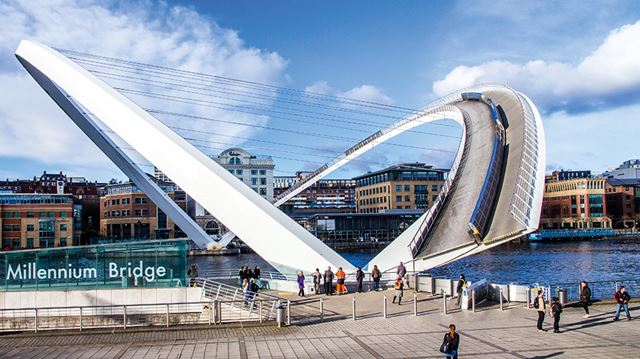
{"x": 579, "y": 61}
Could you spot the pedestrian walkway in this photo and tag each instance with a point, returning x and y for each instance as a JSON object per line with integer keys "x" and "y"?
{"x": 487, "y": 333}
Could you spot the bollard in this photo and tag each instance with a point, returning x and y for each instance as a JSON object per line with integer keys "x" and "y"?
{"x": 415, "y": 305}
{"x": 353, "y": 309}
{"x": 211, "y": 313}
{"x": 501, "y": 307}
{"x": 473, "y": 300}
{"x": 80, "y": 318}
{"x": 384, "y": 307}
{"x": 167, "y": 316}
{"x": 528, "y": 298}
{"x": 35, "y": 321}
{"x": 124, "y": 316}
{"x": 288, "y": 312}
{"x": 321, "y": 309}
{"x": 219, "y": 310}
{"x": 444, "y": 302}
{"x": 260, "y": 310}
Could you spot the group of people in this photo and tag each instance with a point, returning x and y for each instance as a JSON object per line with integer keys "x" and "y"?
{"x": 250, "y": 282}
{"x": 621, "y": 296}
{"x": 327, "y": 278}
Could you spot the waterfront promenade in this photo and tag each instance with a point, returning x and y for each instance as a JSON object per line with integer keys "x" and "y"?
{"x": 487, "y": 333}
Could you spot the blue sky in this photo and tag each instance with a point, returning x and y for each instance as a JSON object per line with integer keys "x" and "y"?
{"x": 579, "y": 61}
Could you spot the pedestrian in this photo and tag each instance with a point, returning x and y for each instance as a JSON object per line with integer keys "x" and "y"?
{"x": 541, "y": 307}
{"x": 585, "y": 297}
{"x": 248, "y": 273}
{"x": 399, "y": 290}
{"x": 462, "y": 283}
{"x": 253, "y": 290}
{"x": 241, "y": 276}
{"x": 246, "y": 291}
{"x": 328, "y": 281}
{"x": 316, "y": 280}
{"x": 193, "y": 274}
{"x": 556, "y": 309}
{"x": 340, "y": 277}
{"x": 401, "y": 271}
{"x": 257, "y": 277}
{"x": 450, "y": 343}
{"x": 376, "y": 275}
{"x": 300, "y": 284}
{"x": 622, "y": 298}
{"x": 359, "y": 279}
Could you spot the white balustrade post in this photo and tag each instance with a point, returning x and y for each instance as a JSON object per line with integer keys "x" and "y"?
{"x": 384, "y": 307}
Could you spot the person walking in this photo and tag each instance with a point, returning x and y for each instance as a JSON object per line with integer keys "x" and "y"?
{"x": 328, "y": 281}
{"x": 340, "y": 277}
{"x": 585, "y": 297}
{"x": 246, "y": 291}
{"x": 300, "y": 284}
{"x": 462, "y": 283}
{"x": 398, "y": 286}
{"x": 316, "y": 280}
{"x": 376, "y": 275}
{"x": 556, "y": 309}
{"x": 401, "y": 271}
{"x": 541, "y": 307}
{"x": 622, "y": 298}
{"x": 450, "y": 343}
{"x": 257, "y": 276}
{"x": 241, "y": 276}
{"x": 359, "y": 279}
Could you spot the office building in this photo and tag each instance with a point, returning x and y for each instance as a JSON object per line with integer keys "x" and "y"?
{"x": 405, "y": 186}
{"x": 575, "y": 204}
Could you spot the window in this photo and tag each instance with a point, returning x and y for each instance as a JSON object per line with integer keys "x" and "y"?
{"x": 63, "y": 227}
{"x": 30, "y": 214}
{"x": 113, "y": 202}
{"x": 254, "y": 172}
{"x": 42, "y": 214}
{"x": 398, "y": 188}
{"x": 398, "y": 198}
{"x": 29, "y": 227}
{"x": 63, "y": 241}
{"x": 407, "y": 198}
{"x": 238, "y": 172}
{"x": 15, "y": 227}
{"x": 234, "y": 161}
{"x": 434, "y": 187}
{"x": 263, "y": 181}
{"x": 51, "y": 214}
{"x": 263, "y": 172}
{"x": 16, "y": 214}
{"x": 263, "y": 191}
{"x": 6, "y": 215}
{"x": 6, "y": 227}
{"x": 140, "y": 200}
{"x": 254, "y": 181}
{"x": 126, "y": 200}
{"x": 106, "y": 203}
{"x": 29, "y": 242}
{"x": 63, "y": 214}
{"x": 407, "y": 188}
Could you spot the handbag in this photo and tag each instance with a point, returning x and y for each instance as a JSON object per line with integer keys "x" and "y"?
{"x": 444, "y": 347}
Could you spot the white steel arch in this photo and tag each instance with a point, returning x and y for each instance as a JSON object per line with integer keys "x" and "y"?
{"x": 267, "y": 230}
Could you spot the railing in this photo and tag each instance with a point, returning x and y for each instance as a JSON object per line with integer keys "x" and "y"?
{"x": 418, "y": 240}
{"x": 137, "y": 315}
{"x": 600, "y": 290}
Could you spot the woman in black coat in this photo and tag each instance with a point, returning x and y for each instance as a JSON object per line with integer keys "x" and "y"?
{"x": 450, "y": 343}
{"x": 585, "y": 297}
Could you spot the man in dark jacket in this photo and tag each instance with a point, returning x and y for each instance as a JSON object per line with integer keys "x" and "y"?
{"x": 541, "y": 307}
{"x": 459, "y": 288}
{"x": 359, "y": 279}
{"x": 328, "y": 281}
{"x": 450, "y": 343}
{"x": 585, "y": 297}
{"x": 622, "y": 298}
{"x": 556, "y": 309}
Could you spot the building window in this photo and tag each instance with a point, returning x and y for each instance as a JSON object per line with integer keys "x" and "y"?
{"x": 16, "y": 214}
{"x": 43, "y": 214}
{"x": 263, "y": 191}
{"x": 63, "y": 214}
{"x": 126, "y": 200}
{"x": 434, "y": 187}
{"x": 6, "y": 215}
{"x": 51, "y": 214}
{"x": 254, "y": 181}
{"x": 407, "y": 198}
{"x": 238, "y": 172}
{"x": 407, "y": 188}
{"x": 29, "y": 227}
{"x": 6, "y": 227}
{"x": 138, "y": 212}
{"x": 254, "y": 172}
{"x": 30, "y": 214}
{"x": 63, "y": 227}
{"x": 263, "y": 181}
{"x": 263, "y": 172}
{"x": 398, "y": 188}
{"x": 15, "y": 228}
{"x": 398, "y": 198}
{"x": 29, "y": 242}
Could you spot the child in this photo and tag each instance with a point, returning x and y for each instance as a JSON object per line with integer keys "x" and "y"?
{"x": 399, "y": 288}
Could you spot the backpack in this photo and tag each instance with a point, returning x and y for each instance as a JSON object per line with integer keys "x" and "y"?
{"x": 536, "y": 304}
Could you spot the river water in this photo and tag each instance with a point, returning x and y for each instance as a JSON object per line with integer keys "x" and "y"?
{"x": 520, "y": 263}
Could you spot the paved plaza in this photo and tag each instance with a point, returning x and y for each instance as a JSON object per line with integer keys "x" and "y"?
{"x": 488, "y": 333}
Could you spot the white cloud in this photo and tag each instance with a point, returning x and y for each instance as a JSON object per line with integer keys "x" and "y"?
{"x": 365, "y": 92}
{"x": 32, "y": 127}
{"x": 609, "y": 76}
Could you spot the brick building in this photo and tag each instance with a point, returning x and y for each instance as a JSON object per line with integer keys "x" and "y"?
{"x": 127, "y": 212}
{"x": 39, "y": 220}
{"x": 623, "y": 203}
{"x": 575, "y": 204}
